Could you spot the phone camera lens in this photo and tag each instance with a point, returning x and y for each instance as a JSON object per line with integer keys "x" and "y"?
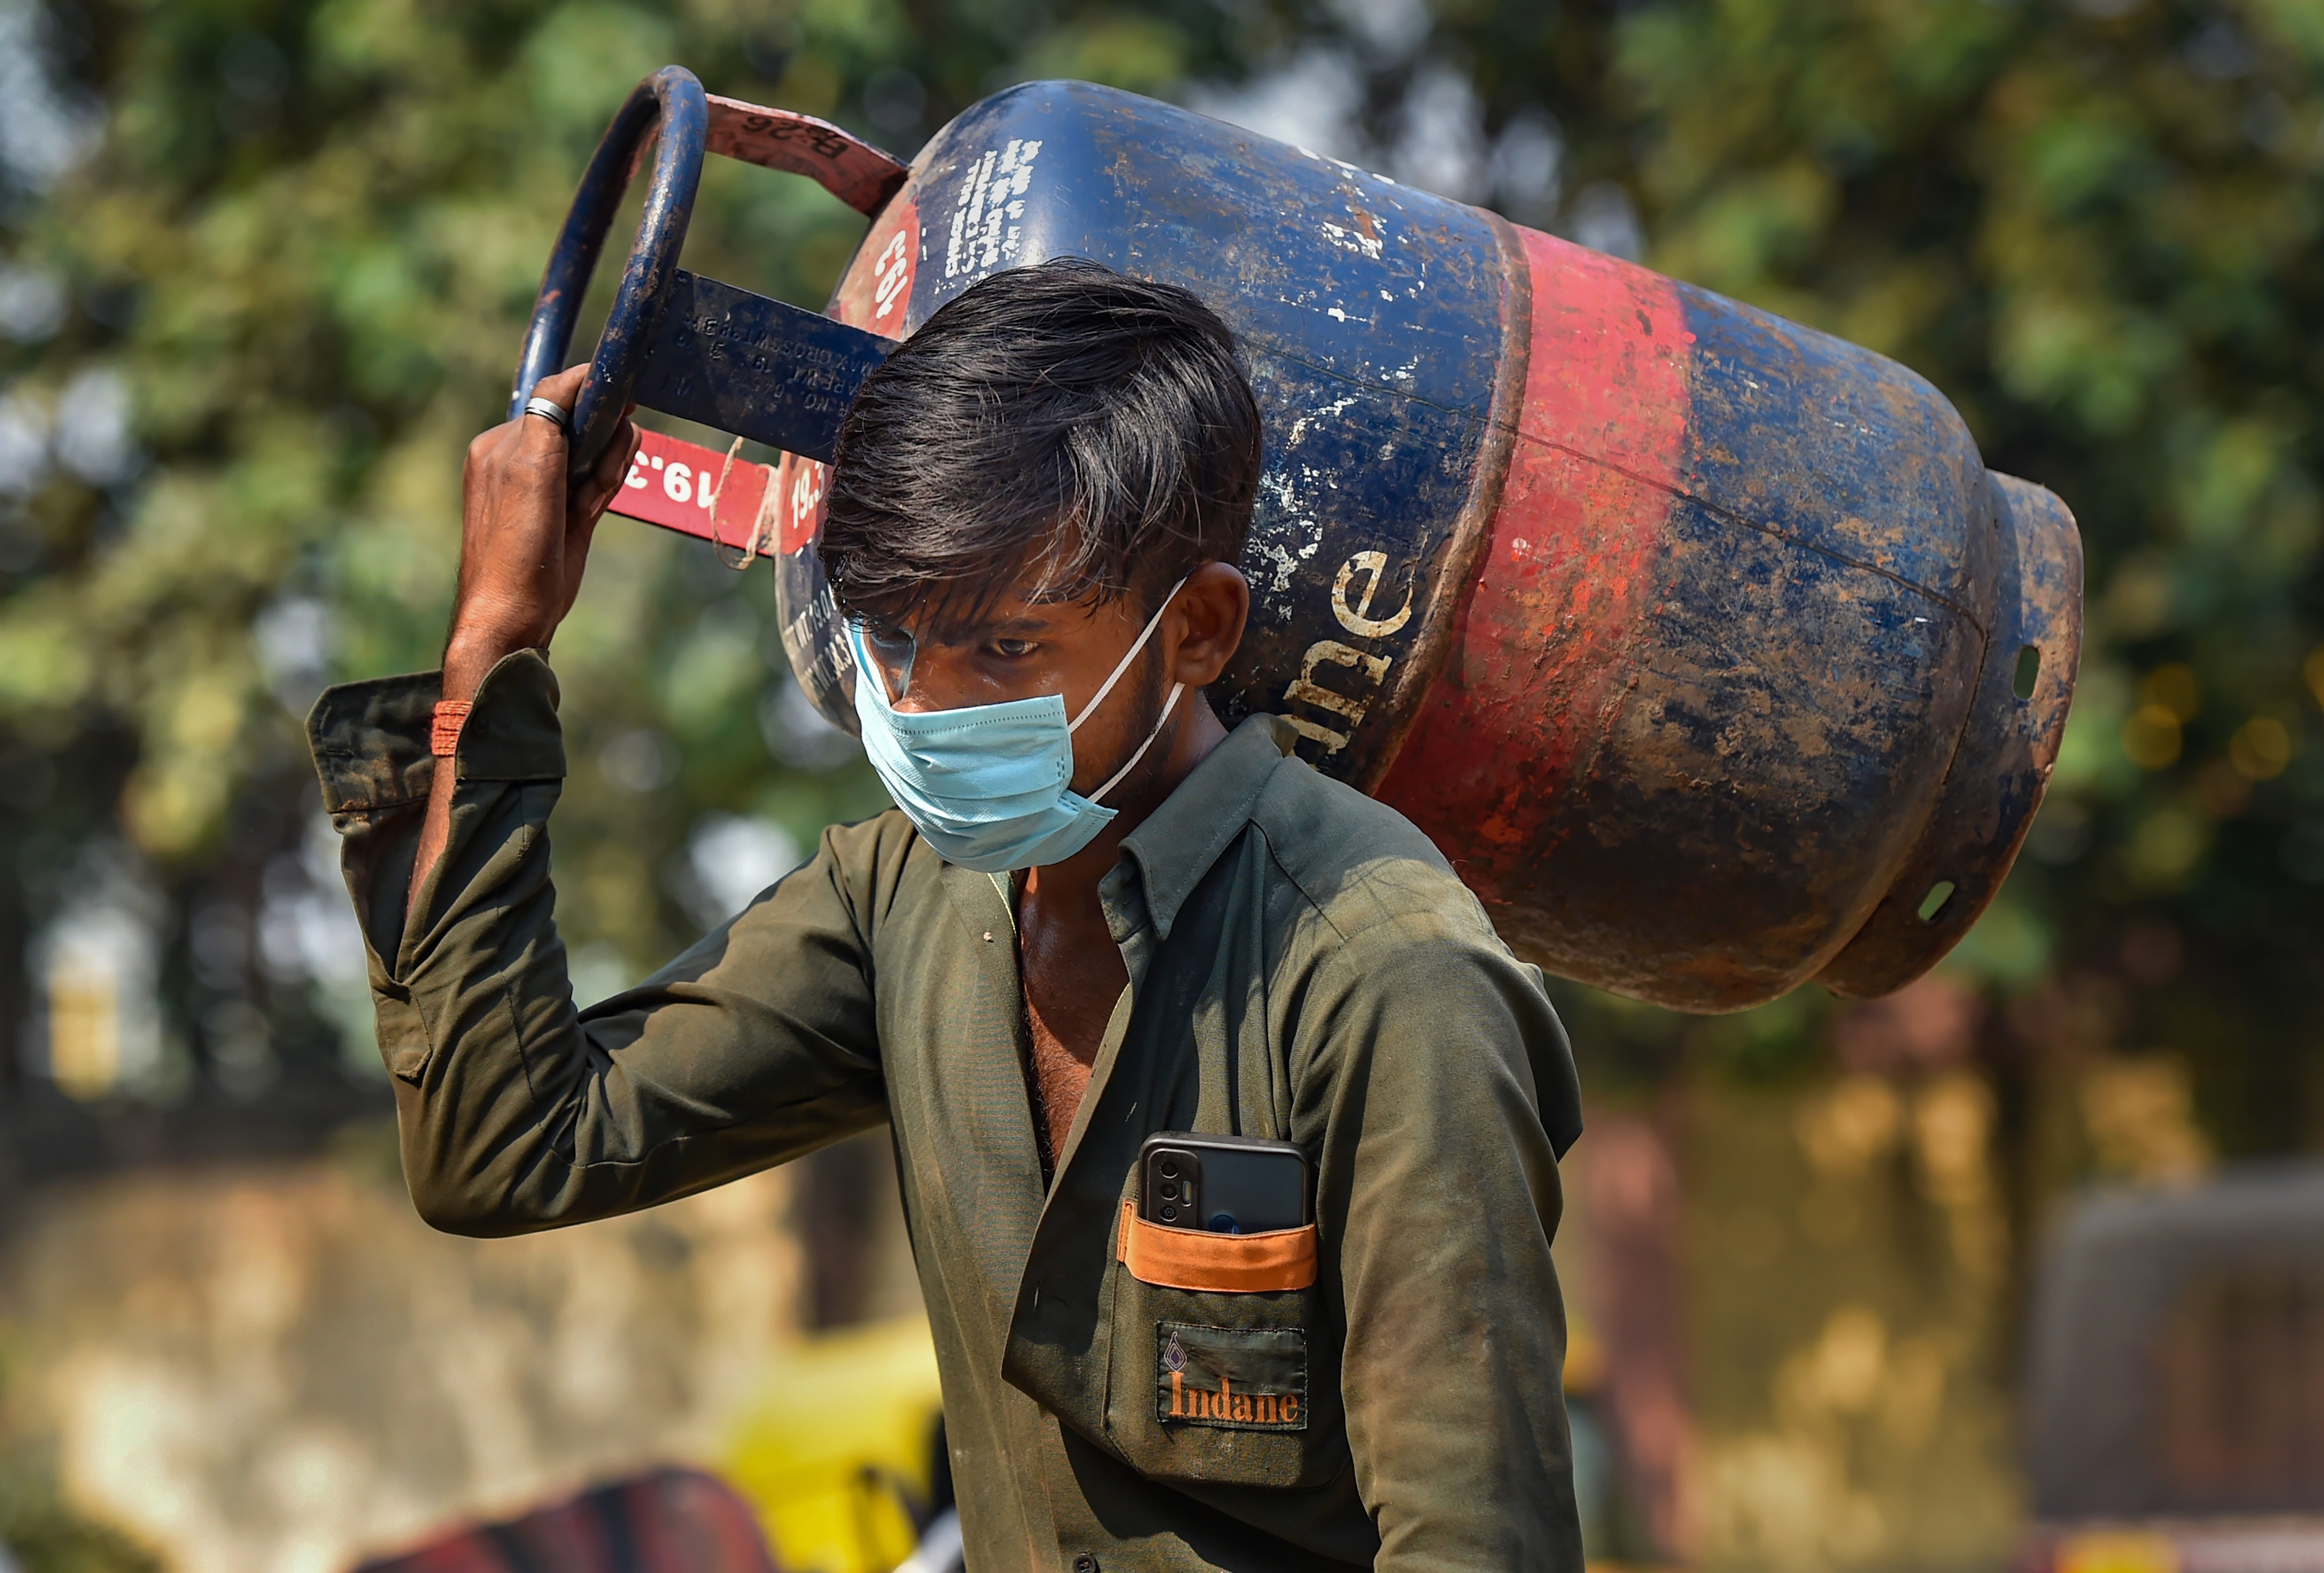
{"x": 1169, "y": 1172}
{"x": 1169, "y": 1192}
{"x": 1169, "y": 1213}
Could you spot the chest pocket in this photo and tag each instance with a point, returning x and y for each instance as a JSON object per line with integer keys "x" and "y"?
{"x": 1219, "y": 1370}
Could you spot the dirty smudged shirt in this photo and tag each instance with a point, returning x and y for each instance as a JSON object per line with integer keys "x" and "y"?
{"x": 1302, "y": 963}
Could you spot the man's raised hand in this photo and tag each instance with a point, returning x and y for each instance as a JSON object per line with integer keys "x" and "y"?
{"x": 524, "y": 534}
{"x": 524, "y": 539}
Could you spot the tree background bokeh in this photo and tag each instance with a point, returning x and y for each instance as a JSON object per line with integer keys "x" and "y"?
{"x": 264, "y": 265}
{"x": 266, "y": 273}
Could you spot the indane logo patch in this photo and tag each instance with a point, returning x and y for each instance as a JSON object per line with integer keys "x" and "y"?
{"x": 1252, "y": 1379}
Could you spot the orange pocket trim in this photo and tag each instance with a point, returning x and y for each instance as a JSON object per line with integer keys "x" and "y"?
{"x": 1198, "y": 1259}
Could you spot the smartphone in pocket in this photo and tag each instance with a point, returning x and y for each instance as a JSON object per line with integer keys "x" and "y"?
{"x": 1230, "y": 1184}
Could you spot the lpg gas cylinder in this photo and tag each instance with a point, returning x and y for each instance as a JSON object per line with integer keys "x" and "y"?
{"x": 1702, "y": 644}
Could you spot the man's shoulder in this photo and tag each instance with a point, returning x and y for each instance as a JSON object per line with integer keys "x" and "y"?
{"x": 884, "y": 837}
{"x": 887, "y": 869}
{"x": 1360, "y": 864}
{"x": 884, "y": 852}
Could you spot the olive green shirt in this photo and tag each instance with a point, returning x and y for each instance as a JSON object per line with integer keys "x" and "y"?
{"x": 1302, "y": 964}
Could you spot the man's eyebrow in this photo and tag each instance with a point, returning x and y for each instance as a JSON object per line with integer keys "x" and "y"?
{"x": 1025, "y": 627}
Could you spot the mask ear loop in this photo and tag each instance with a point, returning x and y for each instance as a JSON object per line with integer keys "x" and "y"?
{"x": 1128, "y": 656}
{"x": 1176, "y": 690}
{"x": 1167, "y": 705}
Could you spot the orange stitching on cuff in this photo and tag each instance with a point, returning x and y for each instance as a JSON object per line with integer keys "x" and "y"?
{"x": 444, "y": 727}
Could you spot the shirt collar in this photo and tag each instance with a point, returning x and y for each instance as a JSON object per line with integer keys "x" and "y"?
{"x": 1180, "y": 840}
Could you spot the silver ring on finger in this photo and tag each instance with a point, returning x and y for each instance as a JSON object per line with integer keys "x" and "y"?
{"x": 551, "y": 412}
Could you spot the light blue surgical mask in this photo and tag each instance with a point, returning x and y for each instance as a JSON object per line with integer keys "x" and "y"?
{"x": 991, "y": 786}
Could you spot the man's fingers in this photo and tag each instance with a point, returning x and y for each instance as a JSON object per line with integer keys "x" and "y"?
{"x": 562, "y": 388}
{"x": 539, "y": 441}
{"x": 590, "y": 500}
{"x": 598, "y": 488}
{"x": 593, "y": 493}
{"x": 613, "y": 465}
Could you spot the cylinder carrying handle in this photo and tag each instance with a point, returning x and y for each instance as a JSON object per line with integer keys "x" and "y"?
{"x": 670, "y": 108}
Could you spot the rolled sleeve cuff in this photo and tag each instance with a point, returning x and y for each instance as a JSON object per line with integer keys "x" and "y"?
{"x": 371, "y": 739}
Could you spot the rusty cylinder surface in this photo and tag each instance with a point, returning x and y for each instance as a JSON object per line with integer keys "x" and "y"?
{"x": 1702, "y": 644}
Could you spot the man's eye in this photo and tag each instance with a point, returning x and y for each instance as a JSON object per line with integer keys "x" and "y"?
{"x": 1013, "y": 649}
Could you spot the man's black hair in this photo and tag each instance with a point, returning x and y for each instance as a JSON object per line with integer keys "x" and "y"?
{"x": 1062, "y": 418}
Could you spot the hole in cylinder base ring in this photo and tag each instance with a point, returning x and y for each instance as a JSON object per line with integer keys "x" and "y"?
{"x": 2029, "y": 667}
{"x": 1933, "y": 904}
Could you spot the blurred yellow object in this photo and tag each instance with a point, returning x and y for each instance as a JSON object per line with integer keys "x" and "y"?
{"x": 84, "y": 1031}
{"x": 2117, "y": 1552}
{"x": 2151, "y": 737}
{"x": 1585, "y": 1357}
{"x": 2175, "y": 688}
{"x": 830, "y": 1445}
{"x": 2261, "y": 747}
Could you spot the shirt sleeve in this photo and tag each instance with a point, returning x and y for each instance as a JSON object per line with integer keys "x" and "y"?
{"x": 1442, "y": 1086}
{"x": 516, "y": 1111}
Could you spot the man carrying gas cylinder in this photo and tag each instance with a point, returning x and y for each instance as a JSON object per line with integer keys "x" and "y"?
{"x": 1228, "y": 1130}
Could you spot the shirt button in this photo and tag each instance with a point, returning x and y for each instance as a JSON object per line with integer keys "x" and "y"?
{"x": 1084, "y": 1563}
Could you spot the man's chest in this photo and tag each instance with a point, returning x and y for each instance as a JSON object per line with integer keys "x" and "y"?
{"x": 989, "y": 1058}
{"x": 1027, "y": 1274}
{"x": 1074, "y": 978}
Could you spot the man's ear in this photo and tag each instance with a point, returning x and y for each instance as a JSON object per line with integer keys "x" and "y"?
{"x": 1209, "y": 615}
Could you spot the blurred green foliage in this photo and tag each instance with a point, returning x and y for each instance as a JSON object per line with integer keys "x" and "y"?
{"x": 37, "y": 1529}
{"x": 298, "y": 254}
{"x": 45, "y": 1536}
{"x": 305, "y": 247}
{"x": 307, "y": 240}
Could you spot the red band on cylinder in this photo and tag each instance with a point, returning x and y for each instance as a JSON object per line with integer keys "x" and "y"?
{"x": 1540, "y": 657}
